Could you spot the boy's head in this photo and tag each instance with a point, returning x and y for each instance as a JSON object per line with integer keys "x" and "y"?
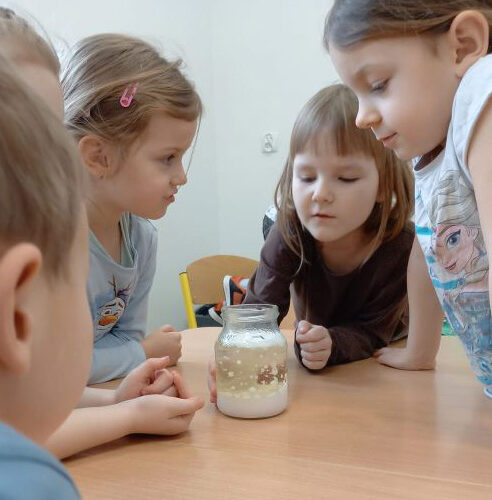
{"x": 33, "y": 56}
{"x": 45, "y": 325}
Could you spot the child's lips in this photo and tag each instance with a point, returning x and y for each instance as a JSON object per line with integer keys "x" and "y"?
{"x": 324, "y": 216}
{"x": 387, "y": 140}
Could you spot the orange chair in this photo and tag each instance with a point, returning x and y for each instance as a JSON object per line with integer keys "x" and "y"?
{"x": 201, "y": 283}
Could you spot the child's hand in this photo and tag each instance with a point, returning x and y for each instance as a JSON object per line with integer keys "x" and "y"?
{"x": 163, "y": 341}
{"x": 150, "y": 377}
{"x": 159, "y": 414}
{"x": 315, "y": 343}
{"x": 403, "y": 359}
{"x": 212, "y": 383}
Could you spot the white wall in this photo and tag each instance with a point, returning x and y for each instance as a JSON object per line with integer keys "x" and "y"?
{"x": 268, "y": 59}
{"x": 255, "y": 63}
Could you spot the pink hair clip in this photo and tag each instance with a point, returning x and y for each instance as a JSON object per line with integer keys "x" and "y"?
{"x": 128, "y": 95}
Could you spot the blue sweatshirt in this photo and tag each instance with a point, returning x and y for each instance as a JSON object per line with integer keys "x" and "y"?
{"x": 118, "y": 297}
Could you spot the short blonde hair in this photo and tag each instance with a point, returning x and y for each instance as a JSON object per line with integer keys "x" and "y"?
{"x": 40, "y": 175}
{"x": 331, "y": 113}
{"x": 21, "y": 43}
{"x": 96, "y": 74}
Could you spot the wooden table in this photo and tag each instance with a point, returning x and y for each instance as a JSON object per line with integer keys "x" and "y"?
{"x": 355, "y": 431}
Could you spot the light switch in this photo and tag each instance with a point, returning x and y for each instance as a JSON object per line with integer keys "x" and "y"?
{"x": 269, "y": 143}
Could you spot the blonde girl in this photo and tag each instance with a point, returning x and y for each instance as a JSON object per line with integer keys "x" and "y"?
{"x": 134, "y": 115}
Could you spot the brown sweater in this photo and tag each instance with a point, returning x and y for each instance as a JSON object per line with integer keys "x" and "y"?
{"x": 362, "y": 310}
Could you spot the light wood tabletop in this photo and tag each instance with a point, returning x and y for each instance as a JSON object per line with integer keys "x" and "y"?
{"x": 360, "y": 430}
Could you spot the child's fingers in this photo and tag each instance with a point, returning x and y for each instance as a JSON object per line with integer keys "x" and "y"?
{"x": 303, "y": 327}
{"x": 212, "y": 381}
{"x": 186, "y": 406}
{"x": 148, "y": 368}
{"x": 395, "y": 358}
{"x": 385, "y": 353}
{"x": 171, "y": 391}
{"x": 314, "y": 365}
{"x": 316, "y": 356}
{"x": 167, "y": 328}
{"x": 315, "y": 334}
{"x": 320, "y": 345}
{"x": 163, "y": 380}
{"x": 181, "y": 387}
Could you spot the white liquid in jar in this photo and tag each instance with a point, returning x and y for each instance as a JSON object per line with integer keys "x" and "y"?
{"x": 251, "y": 381}
{"x": 266, "y": 406}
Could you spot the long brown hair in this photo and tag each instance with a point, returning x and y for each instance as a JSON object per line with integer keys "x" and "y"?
{"x": 331, "y": 113}
{"x": 354, "y": 21}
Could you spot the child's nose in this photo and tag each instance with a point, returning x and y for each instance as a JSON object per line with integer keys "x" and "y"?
{"x": 367, "y": 116}
{"x": 180, "y": 177}
{"x": 323, "y": 193}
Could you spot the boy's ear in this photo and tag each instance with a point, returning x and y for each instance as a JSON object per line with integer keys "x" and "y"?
{"x": 96, "y": 155}
{"x": 19, "y": 267}
{"x": 469, "y": 35}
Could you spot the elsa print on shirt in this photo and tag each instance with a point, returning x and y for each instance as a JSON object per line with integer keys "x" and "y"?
{"x": 460, "y": 267}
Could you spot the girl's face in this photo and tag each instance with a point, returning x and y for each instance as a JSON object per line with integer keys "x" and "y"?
{"x": 148, "y": 179}
{"x": 333, "y": 195}
{"x": 455, "y": 246}
{"x": 405, "y": 87}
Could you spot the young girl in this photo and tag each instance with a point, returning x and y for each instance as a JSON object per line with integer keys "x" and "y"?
{"x": 134, "y": 115}
{"x": 341, "y": 240}
{"x": 141, "y": 403}
{"x": 342, "y": 237}
{"x": 423, "y": 77}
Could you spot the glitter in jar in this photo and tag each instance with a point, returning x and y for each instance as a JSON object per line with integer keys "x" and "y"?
{"x": 252, "y": 380}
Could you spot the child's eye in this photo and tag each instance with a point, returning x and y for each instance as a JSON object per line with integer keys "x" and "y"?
{"x": 168, "y": 159}
{"x": 307, "y": 179}
{"x": 379, "y": 86}
{"x": 348, "y": 179}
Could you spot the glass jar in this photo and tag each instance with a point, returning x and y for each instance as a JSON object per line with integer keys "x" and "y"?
{"x": 251, "y": 362}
